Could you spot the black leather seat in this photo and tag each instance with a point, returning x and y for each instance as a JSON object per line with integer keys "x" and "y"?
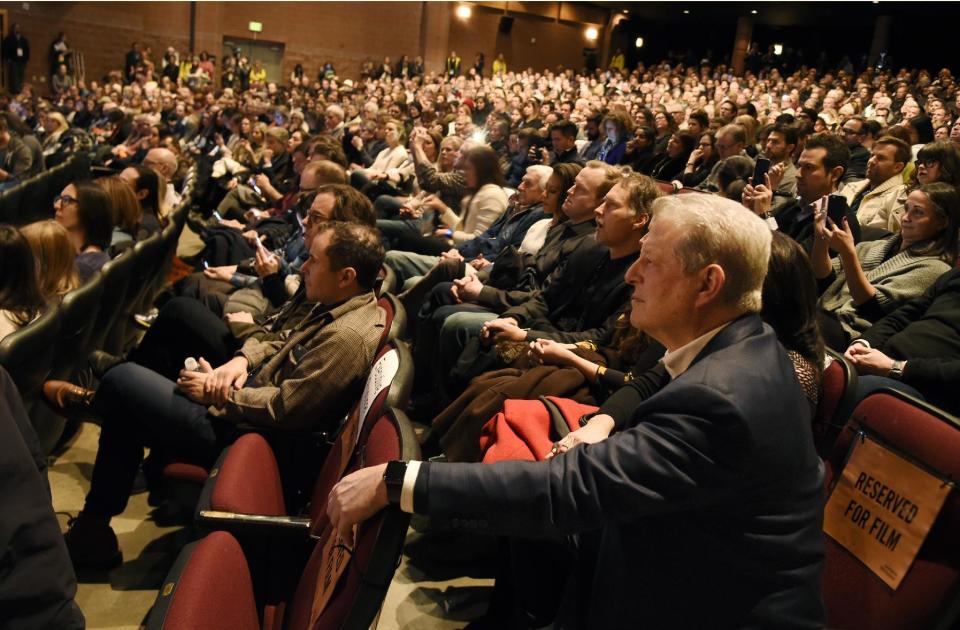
{"x": 116, "y": 280}
{"x": 28, "y": 355}
{"x": 10, "y": 202}
{"x": 78, "y": 317}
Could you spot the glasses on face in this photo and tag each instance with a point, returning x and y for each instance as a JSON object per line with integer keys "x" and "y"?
{"x": 925, "y": 161}
{"x": 64, "y": 200}
{"x": 850, "y": 132}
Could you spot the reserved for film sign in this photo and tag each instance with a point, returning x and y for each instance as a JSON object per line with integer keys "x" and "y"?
{"x": 882, "y": 508}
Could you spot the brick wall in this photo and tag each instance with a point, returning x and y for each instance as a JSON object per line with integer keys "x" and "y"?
{"x": 344, "y": 32}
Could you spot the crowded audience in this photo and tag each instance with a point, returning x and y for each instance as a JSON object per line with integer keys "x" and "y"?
{"x": 593, "y": 236}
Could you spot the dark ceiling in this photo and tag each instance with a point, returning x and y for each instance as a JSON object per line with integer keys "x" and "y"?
{"x": 783, "y": 13}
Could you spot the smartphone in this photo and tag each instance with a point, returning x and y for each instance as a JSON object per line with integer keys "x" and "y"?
{"x": 252, "y": 182}
{"x": 760, "y": 172}
{"x": 206, "y": 265}
{"x": 837, "y": 209}
{"x": 216, "y": 215}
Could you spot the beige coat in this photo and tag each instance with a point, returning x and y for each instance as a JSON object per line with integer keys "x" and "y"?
{"x": 881, "y": 207}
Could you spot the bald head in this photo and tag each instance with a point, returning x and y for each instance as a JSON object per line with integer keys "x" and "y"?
{"x": 163, "y": 161}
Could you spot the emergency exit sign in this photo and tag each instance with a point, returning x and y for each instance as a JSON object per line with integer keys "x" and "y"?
{"x": 256, "y": 27}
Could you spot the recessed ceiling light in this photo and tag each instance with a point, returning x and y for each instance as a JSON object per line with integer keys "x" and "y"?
{"x": 754, "y": 12}
{"x": 686, "y": 11}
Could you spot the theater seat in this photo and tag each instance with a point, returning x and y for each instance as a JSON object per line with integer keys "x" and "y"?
{"x": 247, "y": 479}
{"x": 116, "y": 279}
{"x": 396, "y": 322}
{"x": 839, "y": 389}
{"x": 211, "y": 586}
{"x": 929, "y": 595}
{"x": 208, "y": 587}
{"x": 388, "y": 280}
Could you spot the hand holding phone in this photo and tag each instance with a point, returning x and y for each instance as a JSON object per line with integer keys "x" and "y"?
{"x": 837, "y": 209}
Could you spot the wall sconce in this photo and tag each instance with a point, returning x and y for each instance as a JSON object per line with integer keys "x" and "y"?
{"x": 464, "y": 12}
{"x": 778, "y": 49}
{"x": 592, "y": 33}
{"x": 639, "y": 42}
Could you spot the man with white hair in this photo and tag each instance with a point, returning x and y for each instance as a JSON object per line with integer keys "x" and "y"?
{"x": 333, "y": 121}
{"x": 164, "y": 163}
{"x": 703, "y": 509}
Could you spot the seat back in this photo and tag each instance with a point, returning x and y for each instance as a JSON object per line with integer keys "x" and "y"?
{"x": 855, "y": 597}
{"x": 359, "y": 593}
{"x": 78, "y": 316}
{"x": 10, "y": 202}
{"x": 144, "y": 266}
{"x": 28, "y": 353}
{"x": 837, "y": 393}
{"x": 395, "y": 325}
{"x": 193, "y": 595}
{"x": 116, "y": 276}
{"x": 388, "y": 384}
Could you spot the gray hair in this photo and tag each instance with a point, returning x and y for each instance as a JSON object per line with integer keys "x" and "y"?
{"x": 720, "y": 231}
{"x": 333, "y": 110}
{"x": 735, "y": 132}
{"x": 543, "y": 173}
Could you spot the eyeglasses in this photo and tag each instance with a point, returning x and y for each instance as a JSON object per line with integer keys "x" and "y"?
{"x": 925, "y": 161}
{"x": 64, "y": 200}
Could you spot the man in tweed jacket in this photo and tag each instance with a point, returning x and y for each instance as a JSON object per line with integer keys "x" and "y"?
{"x": 307, "y": 378}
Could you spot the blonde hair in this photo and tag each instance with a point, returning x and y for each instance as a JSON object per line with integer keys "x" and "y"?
{"x": 127, "y": 212}
{"x": 54, "y": 253}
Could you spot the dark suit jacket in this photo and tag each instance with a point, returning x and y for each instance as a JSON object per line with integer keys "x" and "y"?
{"x": 707, "y": 508}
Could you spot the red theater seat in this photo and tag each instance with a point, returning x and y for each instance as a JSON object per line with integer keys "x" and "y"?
{"x": 856, "y": 598}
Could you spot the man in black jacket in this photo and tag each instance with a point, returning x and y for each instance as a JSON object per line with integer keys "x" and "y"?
{"x": 704, "y": 509}
{"x": 822, "y": 165}
{"x": 916, "y": 348}
{"x": 16, "y": 51}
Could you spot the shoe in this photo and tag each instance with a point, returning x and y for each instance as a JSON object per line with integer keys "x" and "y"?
{"x": 69, "y": 400}
{"x": 101, "y": 362}
{"x": 92, "y": 544}
{"x": 145, "y": 320}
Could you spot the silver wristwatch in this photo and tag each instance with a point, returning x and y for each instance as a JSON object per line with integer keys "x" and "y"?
{"x": 896, "y": 371}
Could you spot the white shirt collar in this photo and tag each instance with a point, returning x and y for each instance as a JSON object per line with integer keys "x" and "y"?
{"x": 680, "y": 359}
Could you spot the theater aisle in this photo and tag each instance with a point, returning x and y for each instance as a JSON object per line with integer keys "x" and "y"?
{"x": 121, "y": 598}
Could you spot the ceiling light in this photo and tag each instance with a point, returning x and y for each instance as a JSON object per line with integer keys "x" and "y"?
{"x": 463, "y": 12}
{"x": 686, "y": 11}
{"x": 778, "y": 49}
{"x": 639, "y": 42}
{"x": 754, "y": 12}
{"x": 592, "y": 33}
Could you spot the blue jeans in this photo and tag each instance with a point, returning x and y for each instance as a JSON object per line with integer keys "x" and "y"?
{"x": 141, "y": 408}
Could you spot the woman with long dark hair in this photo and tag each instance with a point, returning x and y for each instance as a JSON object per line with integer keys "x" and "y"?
{"x": 21, "y": 301}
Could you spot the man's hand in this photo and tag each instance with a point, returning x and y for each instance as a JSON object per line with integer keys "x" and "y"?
{"x": 357, "y": 143}
{"x": 409, "y": 211}
{"x": 253, "y": 214}
{"x": 262, "y": 181}
{"x": 355, "y": 498}
{"x": 775, "y": 175}
{"x": 251, "y": 237}
{"x": 451, "y": 254}
{"x": 193, "y": 384}
{"x": 240, "y": 317}
{"x": 597, "y": 429}
{"x": 503, "y": 329}
{"x": 758, "y": 199}
{"x": 433, "y": 202}
{"x": 220, "y": 273}
{"x": 480, "y": 263}
{"x": 229, "y": 376}
{"x": 840, "y": 238}
{"x": 466, "y": 289}
{"x": 868, "y": 360}
{"x": 266, "y": 263}
{"x": 232, "y": 223}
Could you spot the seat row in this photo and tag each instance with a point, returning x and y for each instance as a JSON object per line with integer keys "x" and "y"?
{"x": 269, "y": 558}
{"x": 95, "y": 316}
{"x": 32, "y": 199}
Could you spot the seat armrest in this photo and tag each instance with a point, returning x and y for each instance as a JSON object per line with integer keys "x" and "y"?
{"x": 214, "y": 519}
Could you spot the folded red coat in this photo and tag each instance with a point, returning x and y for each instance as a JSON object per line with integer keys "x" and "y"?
{"x": 527, "y": 429}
